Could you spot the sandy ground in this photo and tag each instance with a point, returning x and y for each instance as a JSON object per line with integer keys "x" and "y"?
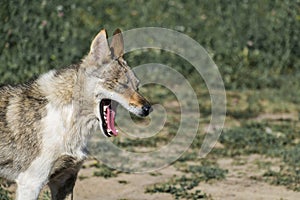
{"x": 237, "y": 186}
{"x": 95, "y": 188}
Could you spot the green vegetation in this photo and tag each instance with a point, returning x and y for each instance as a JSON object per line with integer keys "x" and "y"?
{"x": 104, "y": 171}
{"x": 4, "y": 194}
{"x": 277, "y": 139}
{"x": 182, "y": 187}
{"x": 253, "y": 138}
{"x": 289, "y": 174}
{"x": 46, "y": 195}
{"x": 186, "y": 186}
{"x": 255, "y": 44}
{"x": 179, "y": 188}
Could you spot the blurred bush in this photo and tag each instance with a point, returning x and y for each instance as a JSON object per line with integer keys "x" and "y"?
{"x": 254, "y": 43}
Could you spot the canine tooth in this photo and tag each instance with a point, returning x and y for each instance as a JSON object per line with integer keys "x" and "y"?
{"x": 109, "y": 133}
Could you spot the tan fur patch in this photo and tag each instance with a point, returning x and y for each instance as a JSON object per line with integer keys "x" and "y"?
{"x": 137, "y": 100}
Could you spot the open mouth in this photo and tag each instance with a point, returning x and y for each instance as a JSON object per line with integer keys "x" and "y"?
{"x": 108, "y": 112}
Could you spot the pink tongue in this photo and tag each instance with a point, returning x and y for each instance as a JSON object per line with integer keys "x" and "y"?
{"x": 111, "y": 120}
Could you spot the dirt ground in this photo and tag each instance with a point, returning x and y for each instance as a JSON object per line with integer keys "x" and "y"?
{"x": 238, "y": 185}
{"x": 243, "y": 181}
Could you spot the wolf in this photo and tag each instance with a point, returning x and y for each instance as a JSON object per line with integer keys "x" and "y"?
{"x": 45, "y": 124}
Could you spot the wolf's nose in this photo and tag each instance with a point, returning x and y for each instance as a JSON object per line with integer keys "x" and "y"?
{"x": 146, "y": 109}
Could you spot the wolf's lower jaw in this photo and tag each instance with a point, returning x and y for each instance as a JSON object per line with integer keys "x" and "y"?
{"x": 107, "y": 109}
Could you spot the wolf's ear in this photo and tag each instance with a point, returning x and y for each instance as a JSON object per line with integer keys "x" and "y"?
{"x": 99, "y": 48}
{"x": 117, "y": 44}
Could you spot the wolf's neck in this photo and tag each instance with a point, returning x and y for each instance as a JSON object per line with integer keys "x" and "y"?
{"x": 58, "y": 86}
{"x": 67, "y": 91}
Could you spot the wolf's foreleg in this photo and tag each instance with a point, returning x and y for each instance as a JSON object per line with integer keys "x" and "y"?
{"x": 62, "y": 181}
{"x": 31, "y": 181}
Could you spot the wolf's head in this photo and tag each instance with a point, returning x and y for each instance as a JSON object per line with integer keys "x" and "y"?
{"x": 113, "y": 81}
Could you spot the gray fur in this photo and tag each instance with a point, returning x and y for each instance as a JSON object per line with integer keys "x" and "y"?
{"x": 44, "y": 124}
{"x": 21, "y": 109}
